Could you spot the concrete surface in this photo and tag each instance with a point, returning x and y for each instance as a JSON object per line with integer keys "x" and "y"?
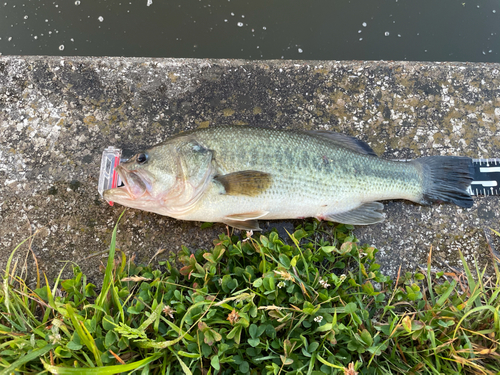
{"x": 58, "y": 113}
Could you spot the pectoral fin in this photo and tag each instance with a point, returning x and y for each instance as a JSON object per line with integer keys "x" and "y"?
{"x": 250, "y": 183}
{"x": 367, "y": 213}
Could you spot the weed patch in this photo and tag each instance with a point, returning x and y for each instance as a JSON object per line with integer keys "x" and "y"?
{"x": 314, "y": 303}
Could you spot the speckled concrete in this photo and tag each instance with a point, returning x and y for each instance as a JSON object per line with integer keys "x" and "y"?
{"x": 58, "y": 113}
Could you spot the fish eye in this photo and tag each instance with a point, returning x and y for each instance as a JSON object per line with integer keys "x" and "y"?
{"x": 141, "y": 158}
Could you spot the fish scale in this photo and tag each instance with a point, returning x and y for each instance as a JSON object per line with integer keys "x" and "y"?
{"x": 236, "y": 174}
{"x": 305, "y": 175}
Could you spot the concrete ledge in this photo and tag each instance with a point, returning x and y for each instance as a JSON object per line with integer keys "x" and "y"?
{"x": 58, "y": 113}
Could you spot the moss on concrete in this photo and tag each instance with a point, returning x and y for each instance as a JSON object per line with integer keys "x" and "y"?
{"x": 58, "y": 113}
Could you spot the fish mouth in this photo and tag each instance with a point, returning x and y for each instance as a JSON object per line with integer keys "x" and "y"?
{"x": 135, "y": 186}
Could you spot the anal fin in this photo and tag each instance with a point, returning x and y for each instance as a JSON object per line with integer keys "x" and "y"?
{"x": 367, "y": 213}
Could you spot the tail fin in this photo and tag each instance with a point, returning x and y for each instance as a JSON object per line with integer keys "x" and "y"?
{"x": 446, "y": 179}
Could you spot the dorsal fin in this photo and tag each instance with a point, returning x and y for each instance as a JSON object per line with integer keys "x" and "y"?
{"x": 345, "y": 141}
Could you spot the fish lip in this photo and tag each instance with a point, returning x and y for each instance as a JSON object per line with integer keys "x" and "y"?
{"x": 117, "y": 194}
{"x": 135, "y": 183}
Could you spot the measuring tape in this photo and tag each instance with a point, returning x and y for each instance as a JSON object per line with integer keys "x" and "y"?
{"x": 486, "y": 177}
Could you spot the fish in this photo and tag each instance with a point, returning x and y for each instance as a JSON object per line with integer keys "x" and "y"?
{"x": 240, "y": 174}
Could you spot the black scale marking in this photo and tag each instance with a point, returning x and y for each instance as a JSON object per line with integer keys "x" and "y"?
{"x": 486, "y": 177}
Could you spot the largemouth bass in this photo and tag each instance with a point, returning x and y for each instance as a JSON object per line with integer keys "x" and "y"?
{"x": 239, "y": 174}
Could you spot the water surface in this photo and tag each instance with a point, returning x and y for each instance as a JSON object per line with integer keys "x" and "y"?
{"x": 434, "y": 30}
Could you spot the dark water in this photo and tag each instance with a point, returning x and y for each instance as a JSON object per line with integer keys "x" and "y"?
{"x": 432, "y": 30}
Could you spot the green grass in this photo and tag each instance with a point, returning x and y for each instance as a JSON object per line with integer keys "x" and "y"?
{"x": 315, "y": 303}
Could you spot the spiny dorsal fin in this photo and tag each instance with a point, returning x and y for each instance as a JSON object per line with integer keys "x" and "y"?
{"x": 250, "y": 183}
{"x": 367, "y": 213}
{"x": 345, "y": 141}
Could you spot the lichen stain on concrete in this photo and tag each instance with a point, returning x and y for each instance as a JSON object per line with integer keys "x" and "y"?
{"x": 59, "y": 113}
{"x": 228, "y": 112}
